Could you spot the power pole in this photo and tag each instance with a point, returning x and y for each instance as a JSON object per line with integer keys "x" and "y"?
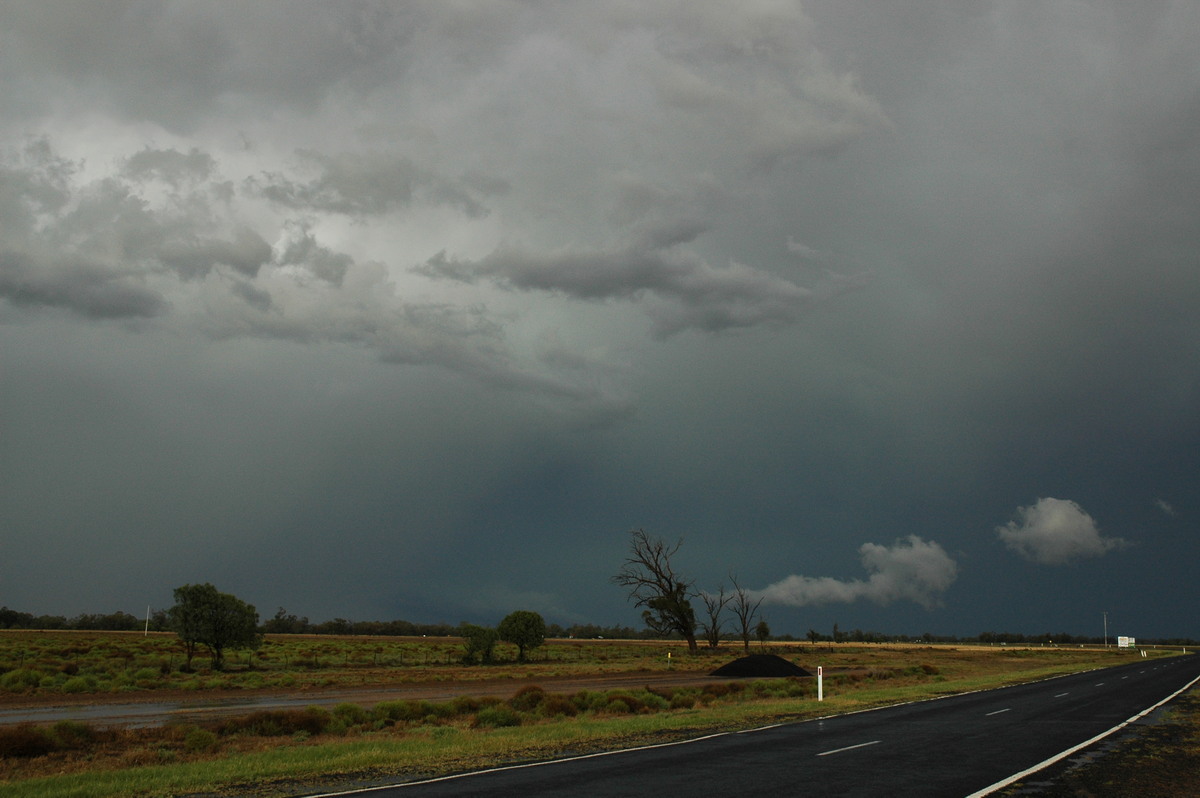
{"x": 1105, "y": 629}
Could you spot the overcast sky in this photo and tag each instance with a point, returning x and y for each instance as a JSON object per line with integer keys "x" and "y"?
{"x": 413, "y": 310}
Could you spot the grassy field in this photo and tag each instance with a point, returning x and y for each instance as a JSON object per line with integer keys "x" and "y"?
{"x": 63, "y": 662}
{"x": 282, "y": 752}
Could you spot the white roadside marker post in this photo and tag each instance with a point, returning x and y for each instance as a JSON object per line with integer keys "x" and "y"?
{"x": 820, "y": 683}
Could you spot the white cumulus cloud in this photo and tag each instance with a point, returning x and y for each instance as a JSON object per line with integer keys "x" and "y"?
{"x": 1054, "y": 532}
{"x": 911, "y": 569}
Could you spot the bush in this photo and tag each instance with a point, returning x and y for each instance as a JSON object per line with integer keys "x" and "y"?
{"x": 622, "y": 703}
{"x": 72, "y": 734}
{"x": 351, "y": 714}
{"x": 497, "y": 716}
{"x": 278, "y": 722}
{"x": 24, "y": 741}
{"x": 683, "y": 700}
{"x": 420, "y": 711}
{"x": 554, "y": 705}
{"x": 198, "y": 740}
{"x": 22, "y": 679}
{"x": 528, "y": 698}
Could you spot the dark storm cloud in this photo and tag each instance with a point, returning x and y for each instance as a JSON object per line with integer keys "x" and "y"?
{"x": 89, "y": 290}
{"x": 370, "y": 183}
{"x": 170, "y": 166}
{"x": 698, "y": 294}
{"x": 946, "y": 252}
{"x": 108, "y": 249}
{"x": 176, "y": 64}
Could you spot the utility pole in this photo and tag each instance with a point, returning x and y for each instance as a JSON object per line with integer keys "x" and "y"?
{"x": 1105, "y": 629}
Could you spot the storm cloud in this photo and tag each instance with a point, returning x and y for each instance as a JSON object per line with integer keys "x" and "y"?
{"x": 412, "y": 310}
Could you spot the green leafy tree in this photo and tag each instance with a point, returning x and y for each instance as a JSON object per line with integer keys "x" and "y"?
{"x": 480, "y": 643}
{"x": 654, "y": 584}
{"x": 524, "y": 629}
{"x": 762, "y": 632}
{"x": 204, "y": 616}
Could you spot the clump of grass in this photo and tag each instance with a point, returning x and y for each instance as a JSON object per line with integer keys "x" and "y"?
{"x": 497, "y": 716}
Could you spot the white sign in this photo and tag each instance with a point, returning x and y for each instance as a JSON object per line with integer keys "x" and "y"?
{"x": 1126, "y": 642}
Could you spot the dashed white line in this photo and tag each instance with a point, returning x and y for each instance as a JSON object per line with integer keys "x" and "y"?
{"x": 1064, "y": 754}
{"x": 997, "y": 712}
{"x": 1060, "y": 695}
{"x": 848, "y": 748}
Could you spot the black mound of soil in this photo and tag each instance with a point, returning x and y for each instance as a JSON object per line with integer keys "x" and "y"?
{"x": 760, "y": 666}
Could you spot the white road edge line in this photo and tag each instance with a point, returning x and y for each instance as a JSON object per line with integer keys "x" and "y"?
{"x": 522, "y": 766}
{"x": 1059, "y": 757}
{"x": 849, "y": 748}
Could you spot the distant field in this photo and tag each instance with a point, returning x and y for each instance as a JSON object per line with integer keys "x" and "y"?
{"x": 38, "y": 664}
{"x": 281, "y": 752}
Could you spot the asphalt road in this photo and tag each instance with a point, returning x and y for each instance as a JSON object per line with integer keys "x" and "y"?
{"x": 956, "y": 746}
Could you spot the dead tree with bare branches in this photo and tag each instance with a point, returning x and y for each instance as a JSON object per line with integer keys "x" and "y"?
{"x": 654, "y": 584}
{"x": 714, "y": 609}
{"x": 745, "y": 609}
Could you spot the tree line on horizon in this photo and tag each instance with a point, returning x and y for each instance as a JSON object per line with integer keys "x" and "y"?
{"x": 284, "y": 622}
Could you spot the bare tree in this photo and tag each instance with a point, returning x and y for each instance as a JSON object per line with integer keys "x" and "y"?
{"x": 654, "y": 584}
{"x": 714, "y": 607}
{"x": 745, "y": 609}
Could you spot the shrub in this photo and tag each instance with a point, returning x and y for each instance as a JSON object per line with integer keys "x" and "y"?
{"x": 683, "y": 701}
{"x": 497, "y": 716}
{"x": 622, "y": 703}
{"x": 718, "y": 689}
{"x": 21, "y": 679}
{"x": 420, "y": 711}
{"x": 528, "y": 698}
{"x": 351, "y": 714}
{"x": 198, "y": 740}
{"x": 24, "y": 741}
{"x": 554, "y": 705}
{"x": 278, "y": 722}
{"x": 929, "y": 669}
{"x": 654, "y": 702}
{"x": 72, "y": 734}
